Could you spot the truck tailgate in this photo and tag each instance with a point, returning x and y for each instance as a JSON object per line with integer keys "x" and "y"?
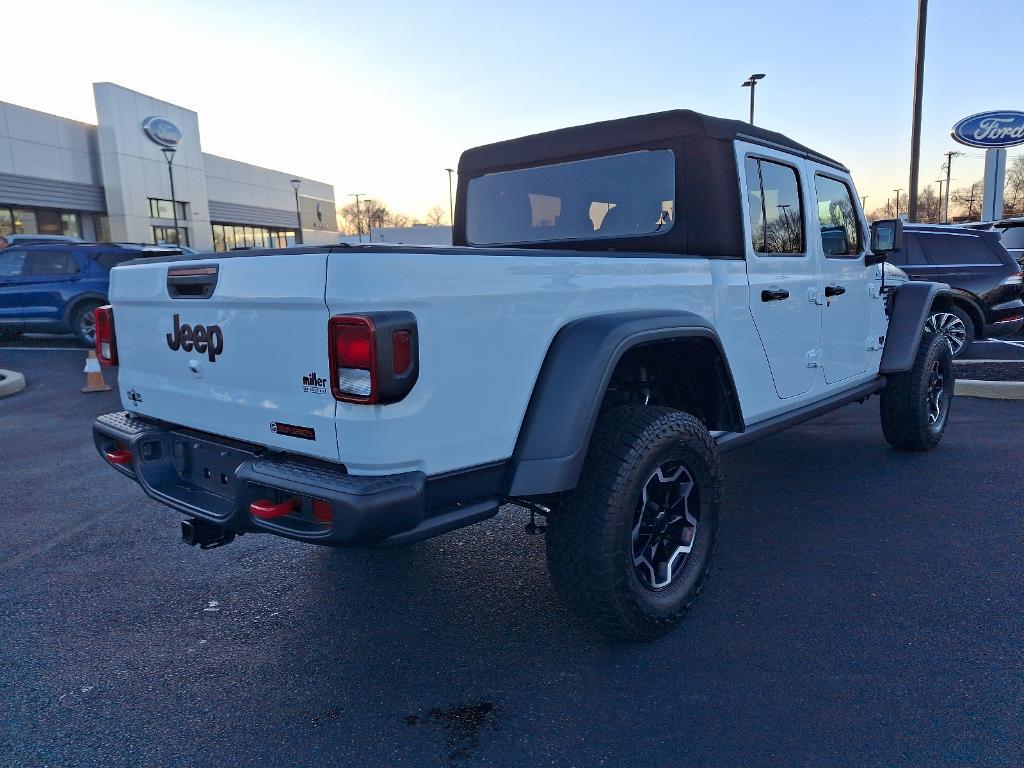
{"x": 249, "y": 362}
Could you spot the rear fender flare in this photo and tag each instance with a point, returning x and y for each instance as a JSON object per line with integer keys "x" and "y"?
{"x": 556, "y": 430}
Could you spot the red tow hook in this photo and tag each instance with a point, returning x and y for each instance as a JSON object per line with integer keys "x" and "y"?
{"x": 119, "y": 456}
{"x": 265, "y": 509}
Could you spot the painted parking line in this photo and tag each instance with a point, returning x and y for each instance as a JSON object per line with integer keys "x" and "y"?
{"x": 1018, "y": 344}
{"x": 974, "y": 361}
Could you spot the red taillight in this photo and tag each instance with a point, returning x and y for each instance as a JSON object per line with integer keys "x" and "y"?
{"x": 322, "y": 511}
{"x": 353, "y": 359}
{"x": 401, "y": 352}
{"x": 106, "y": 341}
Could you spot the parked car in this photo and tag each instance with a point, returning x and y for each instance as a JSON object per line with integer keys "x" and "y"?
{"x": 984, "y": 278}
{"x": 616, "y": 310}
{"x": 54, "y": 287}
{"x": 1012, "y": 231}
{"x": 13, "y": 240}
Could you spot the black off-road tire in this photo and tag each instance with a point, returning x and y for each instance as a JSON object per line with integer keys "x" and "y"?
{"x": 590, "y": 537}
{"x": 906, "y": 406}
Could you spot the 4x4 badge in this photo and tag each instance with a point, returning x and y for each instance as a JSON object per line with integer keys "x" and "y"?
{"x": 134, "y": 396}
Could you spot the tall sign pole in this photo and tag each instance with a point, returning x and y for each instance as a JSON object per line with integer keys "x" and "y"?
{"x": 915, "y": 133}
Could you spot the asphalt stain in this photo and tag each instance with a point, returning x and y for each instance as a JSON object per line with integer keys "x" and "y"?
{"x": 461, "y": 725}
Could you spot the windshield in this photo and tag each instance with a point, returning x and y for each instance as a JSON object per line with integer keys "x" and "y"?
{"x": 627, "y": 195}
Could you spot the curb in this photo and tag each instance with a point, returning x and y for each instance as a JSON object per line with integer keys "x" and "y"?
{"x": 993, "y": 390}
{"x": 11, "y": 382}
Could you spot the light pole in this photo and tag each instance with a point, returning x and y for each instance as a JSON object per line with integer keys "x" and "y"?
{"x": 915, "y": 129}
{"x": 939, "y": 201}
{"x": 863, "y": 202}
{"x": 296, "y": 183}
{"x": 451, "y": 200}
{"x": 897, "y": 191}
{"x": 949, "y": 170}
{"x": 751, "y": 83}
{"x": 169, "y": 156}
{"x": 359, "y": 216}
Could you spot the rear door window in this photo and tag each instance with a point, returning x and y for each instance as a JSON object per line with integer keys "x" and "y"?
{"x": 956, "y": 250}
{"x": 776, "y": 216}
{"x": 1013, "y": 237}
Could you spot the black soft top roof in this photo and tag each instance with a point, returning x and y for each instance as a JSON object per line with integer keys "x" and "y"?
{"x": 708, "y": 218}
{"x": 595, "y": 138}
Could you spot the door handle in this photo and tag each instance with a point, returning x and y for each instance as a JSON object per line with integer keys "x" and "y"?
{"x": 774, "y": 295}
{"x": 834, "y": 290}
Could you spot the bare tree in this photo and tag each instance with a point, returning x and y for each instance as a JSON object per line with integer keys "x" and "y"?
{"x": 400, "y": 220}
{"x": 967, "y": 201}
{"x": 436, "y": 216}
{"x": 1013, "y": 192}
{"x": 929, "y": 207}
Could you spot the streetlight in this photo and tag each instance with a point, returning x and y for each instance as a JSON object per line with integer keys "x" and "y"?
{"x": 751, "y": 83}
{"x": 169, "y": 157}
{"x": 359, "y": 216}
{"x": 897, "y": 191}
{"x": 296, "y": 183}
{"x": 451, "y": 203}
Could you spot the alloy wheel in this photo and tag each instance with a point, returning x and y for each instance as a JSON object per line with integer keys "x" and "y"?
{"x": 87, "y": 327}
{"x": 665, "y": 525}
{"x": 950, "y": 326}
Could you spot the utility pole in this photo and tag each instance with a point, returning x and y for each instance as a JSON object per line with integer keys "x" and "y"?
{"x": 939, "y": 182}
{"x": 897, "y": 191}
{"x": 915, "y": 131}
{"x": 359, "y": 216}
{"x": 369, "y": 219}
{"x": 949, "y": 169}
{"x": 863, "y": 202}
{"x": 751, "y": 83}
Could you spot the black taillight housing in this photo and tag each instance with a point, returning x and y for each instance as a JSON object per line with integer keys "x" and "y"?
{"x": 374, "y": 357}
{"x": 106, "y": 341}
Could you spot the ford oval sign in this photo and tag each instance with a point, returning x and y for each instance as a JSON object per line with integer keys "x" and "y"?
{"x": 162, "y": 131}
{"x": 991, "y": 130}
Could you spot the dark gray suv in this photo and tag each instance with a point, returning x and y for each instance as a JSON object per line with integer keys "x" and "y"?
{"x": 985, "y": 278}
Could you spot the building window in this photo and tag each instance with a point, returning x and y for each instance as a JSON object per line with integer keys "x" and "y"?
{"x": 167, "y": 236}
{"x": 26, "y": 221}
{"x": 71, "y": 224}
{"x": 229, "y": 236}
{"x": 164, "y": 209}
{"x": 101, "y": 226}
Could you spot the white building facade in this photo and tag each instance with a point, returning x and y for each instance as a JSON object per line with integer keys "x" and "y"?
{"x": 110, "y": 181}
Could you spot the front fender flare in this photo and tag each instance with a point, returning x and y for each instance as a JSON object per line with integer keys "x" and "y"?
{"x": 567, "y": 396}
{"x": 910, "y": 308}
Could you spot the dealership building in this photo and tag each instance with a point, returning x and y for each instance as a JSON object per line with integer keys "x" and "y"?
{"x": 113, "y": 181}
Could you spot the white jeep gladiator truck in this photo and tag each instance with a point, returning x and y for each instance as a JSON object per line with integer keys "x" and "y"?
{"x": 624, "y": 301}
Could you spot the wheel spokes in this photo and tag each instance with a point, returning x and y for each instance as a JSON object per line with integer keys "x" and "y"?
{"x": 664, "y": 526}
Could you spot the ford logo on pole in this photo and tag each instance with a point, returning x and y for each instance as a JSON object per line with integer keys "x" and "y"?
{"x": 162, "y": 131}
{"x": 991, "y": 130}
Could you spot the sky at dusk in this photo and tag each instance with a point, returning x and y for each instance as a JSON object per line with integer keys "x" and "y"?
{"x": 379, "y": 97}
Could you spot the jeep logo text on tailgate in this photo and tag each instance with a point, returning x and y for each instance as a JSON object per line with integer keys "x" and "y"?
{"x": 201, "y": 338}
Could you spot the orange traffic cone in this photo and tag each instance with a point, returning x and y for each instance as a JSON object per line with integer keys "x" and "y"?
{"x": 94, "y": 375}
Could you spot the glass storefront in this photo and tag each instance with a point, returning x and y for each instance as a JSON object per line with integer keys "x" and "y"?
{"x": 229, "y": 236}
{"x": 39, "y": 221}
{"x": 166, "y": 235}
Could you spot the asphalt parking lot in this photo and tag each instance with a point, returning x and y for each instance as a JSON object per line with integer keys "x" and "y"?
{"x": 864, "y": 609}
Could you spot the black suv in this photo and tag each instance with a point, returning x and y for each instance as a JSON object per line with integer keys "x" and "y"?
{"x": 985, "y": 278}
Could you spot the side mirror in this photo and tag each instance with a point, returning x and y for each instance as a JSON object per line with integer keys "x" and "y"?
{"x": 886, "y": 237}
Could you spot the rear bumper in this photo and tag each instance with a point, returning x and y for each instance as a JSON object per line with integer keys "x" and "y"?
{"x": 216, "y": 479}
{"x": 1004, "y": 319}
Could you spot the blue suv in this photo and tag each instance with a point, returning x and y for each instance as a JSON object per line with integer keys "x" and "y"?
{"x": 54, "y": 288}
